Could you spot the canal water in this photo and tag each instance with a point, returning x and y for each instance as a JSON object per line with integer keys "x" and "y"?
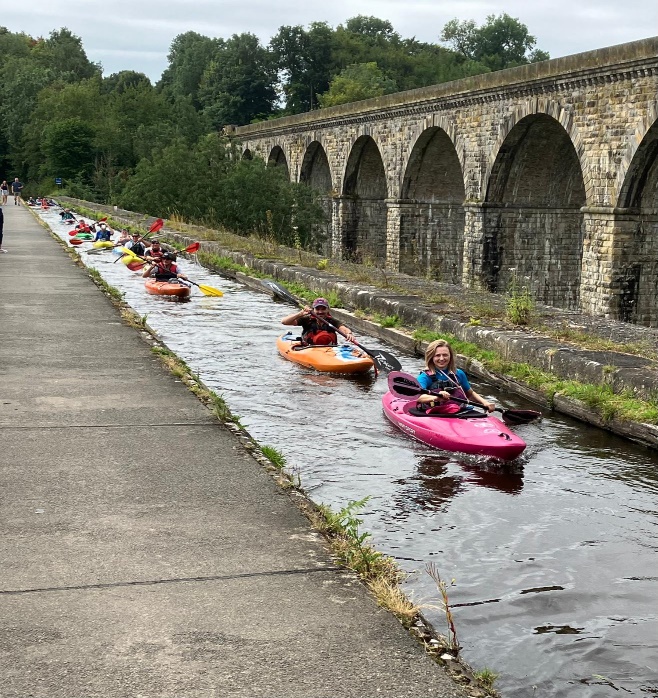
{"x": 552, "y": 559}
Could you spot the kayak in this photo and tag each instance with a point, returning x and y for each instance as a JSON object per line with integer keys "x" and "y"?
{"x": 103, "y": 244}
{"x": 167, "y": 288}
{"x": 472, "y": 431}
{"x": 333, "y": 359}
{"x": 83, "y": 236}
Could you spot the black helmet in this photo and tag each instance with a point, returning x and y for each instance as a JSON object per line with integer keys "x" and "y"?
{"x": 169, "y": 255}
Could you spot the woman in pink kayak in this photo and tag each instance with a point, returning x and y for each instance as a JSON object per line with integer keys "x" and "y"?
{"x": 441, "y": 376}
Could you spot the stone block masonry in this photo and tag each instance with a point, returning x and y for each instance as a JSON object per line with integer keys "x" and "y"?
{"x": 548, "y": 169}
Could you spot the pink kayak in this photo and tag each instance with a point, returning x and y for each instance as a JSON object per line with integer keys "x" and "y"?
{"x": 474, "y": 432}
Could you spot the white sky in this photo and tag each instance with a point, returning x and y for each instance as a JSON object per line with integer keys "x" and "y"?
{"x": 136, "y": 35}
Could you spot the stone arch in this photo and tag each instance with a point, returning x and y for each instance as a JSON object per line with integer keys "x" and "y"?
{"x": 316, "y": 173}
{"x": 532, "y": 219}
{"x": 432, "y": 213}
{"x": 277, "y": 158}
{"x": 636, "y": 227}
{"x": 363, "y": 216}
{"x": 247, "y": 155}
{"x": 563, "y": 114}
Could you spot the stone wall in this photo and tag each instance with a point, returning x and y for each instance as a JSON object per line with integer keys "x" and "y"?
{"x": 553, "y": 165}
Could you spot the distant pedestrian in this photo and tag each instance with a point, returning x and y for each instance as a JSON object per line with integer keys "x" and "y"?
{"x": 4, "y": 191}
{"x": 2, "y": 225}
{"x": 16, "y": 188}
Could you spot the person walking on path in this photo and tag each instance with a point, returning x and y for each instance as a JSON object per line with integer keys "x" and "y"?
{"x": 2, "y": 225}
{"x": 4, "y": 191}
{"x": 16, "y": 188}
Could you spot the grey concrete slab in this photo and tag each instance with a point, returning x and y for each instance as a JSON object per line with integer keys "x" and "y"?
{"x": 144, "y": 552}
{"x": 253, "y": 636}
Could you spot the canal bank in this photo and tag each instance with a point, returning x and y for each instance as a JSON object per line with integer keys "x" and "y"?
{"x": 146, "y": 551}
{"x": 618, "y": 357}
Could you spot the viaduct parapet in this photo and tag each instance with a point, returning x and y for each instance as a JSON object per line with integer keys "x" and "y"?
{"x": 545, "y": 175}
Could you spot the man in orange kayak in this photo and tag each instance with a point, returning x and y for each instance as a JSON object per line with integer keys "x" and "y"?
{"x": 164, "y": 269}
{"x": 314, "y": 323}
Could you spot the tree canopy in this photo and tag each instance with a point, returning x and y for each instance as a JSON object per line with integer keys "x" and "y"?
{"x": 120, "y": 139}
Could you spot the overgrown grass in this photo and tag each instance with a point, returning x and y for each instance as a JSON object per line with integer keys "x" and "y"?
{"x": 486, "y": 679}
{"x": 109, "y": 289}
{"x": 276, "y": 457}
{"x": 387, "y": 320}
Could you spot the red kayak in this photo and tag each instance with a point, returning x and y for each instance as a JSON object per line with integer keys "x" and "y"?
{"x": 469, "y": 432}
{"x": 172, "y": 289}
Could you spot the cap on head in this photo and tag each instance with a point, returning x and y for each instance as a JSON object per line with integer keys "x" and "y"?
{"x": 135, "y": 235}
{"x": 320, "y": 303}
{"x": 169, "y": 255}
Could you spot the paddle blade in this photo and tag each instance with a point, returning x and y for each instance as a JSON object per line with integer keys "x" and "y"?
{"x": 135, "y": 265}
{"x": 157, "y": 225}
{"x": 404, "y": 385}
{"x": 512, "y": 417}
{"x": 102, "y": 220}
{"x": 192, "y": 248}
{"x": 279, "y": 291}
{"x": 385, "y": 361}
{"x": 210, "y": 291}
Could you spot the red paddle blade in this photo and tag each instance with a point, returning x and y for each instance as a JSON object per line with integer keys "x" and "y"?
{"x": 192, "y": 248}
{"x": 103, "y": 219}
{"x": 73, "y": 232}
{"x": 75, "y": 241}
{"x": 156, "y": 226}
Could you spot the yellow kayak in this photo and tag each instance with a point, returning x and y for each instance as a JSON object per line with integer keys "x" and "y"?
{"x": 102, "y": 244}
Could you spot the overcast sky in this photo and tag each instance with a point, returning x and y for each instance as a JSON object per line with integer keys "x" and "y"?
{"x": 136, "y": 34}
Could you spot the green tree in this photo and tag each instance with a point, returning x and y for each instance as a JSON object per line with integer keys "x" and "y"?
{"x": 189, "y": 57}
{"x": 69, "y": 149}
{"x": 501, "y": 42}
{"x": 357, "y": 82}
{"x": 238, "y": 84}
{"x": 303, "y": 61}
{"x": 63, "y": 54}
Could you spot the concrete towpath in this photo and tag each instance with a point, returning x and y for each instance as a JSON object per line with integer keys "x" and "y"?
{"x": 144, "y": 552}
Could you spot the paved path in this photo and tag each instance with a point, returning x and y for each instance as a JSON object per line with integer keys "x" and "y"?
{"x": 143, "y": 551}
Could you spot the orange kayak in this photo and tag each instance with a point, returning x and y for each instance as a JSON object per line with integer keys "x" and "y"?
{"x": 333, "y": 359}
{"x": 167, "y": 288}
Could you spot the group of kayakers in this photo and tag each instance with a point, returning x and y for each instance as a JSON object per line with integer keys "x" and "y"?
{"x": 450, "y": 385}
{"x": 160, "y": 264}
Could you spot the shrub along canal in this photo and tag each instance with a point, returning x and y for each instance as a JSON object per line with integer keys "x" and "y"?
{"x": 553, "y": 557}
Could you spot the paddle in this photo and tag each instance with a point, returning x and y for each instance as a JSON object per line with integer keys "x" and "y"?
{"x": 383, "y": 360}
{"x": 205, "y": 289}
{"x": 405, "y": 385}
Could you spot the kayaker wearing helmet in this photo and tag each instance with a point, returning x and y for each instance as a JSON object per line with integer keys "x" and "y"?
{"x": 164, "y": 269}
{"x": 314, "y": 331}
{"x": 441, "y": 375}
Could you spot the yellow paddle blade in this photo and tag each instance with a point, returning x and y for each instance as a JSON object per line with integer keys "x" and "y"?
{"x": 210, "y": 291}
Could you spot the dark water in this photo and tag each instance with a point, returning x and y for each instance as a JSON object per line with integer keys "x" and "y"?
{"x": 554, "y": 557}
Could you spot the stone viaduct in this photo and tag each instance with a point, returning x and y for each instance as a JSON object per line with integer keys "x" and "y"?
{"x": 544, "y": 175}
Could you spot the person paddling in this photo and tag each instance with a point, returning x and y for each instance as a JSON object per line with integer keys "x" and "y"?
{"x": 442, "y": 376}
{"x": 135, "y": 245}
{"x": 314, "y": 330}
{"x": 104, "y": 233}
{"x": 165, "y": 269}
{"x": 154, "y": 252}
